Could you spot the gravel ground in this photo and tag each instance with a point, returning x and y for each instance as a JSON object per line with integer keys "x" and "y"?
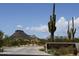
{"x": 23, "y": 50}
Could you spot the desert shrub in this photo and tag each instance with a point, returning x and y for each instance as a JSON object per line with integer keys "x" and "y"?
{"x": 61, "y": 51}
{"x": 65, "y": 50}
{"x": 42, "y": 49}
{"x": 15, "y": 43}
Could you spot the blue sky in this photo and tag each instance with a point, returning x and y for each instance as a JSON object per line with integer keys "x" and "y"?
{"x": 33, "y": 18}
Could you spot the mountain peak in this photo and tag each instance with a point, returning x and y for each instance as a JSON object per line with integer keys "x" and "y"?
{"x": 20, "y": 34}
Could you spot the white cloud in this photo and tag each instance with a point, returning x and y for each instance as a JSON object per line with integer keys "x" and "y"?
{"x": 19, "y": 27}
{"x": 41, "y": 28}
{"x": 62, "y": 26}
{"x": 27, "y": 28}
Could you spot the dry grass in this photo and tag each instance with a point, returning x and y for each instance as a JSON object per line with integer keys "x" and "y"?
{"x": 61, "y": 51}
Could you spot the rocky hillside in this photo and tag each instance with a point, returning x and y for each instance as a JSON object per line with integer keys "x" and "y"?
{"x": 20, "y": 34}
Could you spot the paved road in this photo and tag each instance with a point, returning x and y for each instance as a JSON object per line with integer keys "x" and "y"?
{"x": 24, "y": 50}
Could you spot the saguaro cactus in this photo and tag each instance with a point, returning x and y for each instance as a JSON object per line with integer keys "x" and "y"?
{"x": 73, "y": 30}
{"x": 68, "y": 31}
{"x": 51, "y": 23}
{"x": 1, "y": 41}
